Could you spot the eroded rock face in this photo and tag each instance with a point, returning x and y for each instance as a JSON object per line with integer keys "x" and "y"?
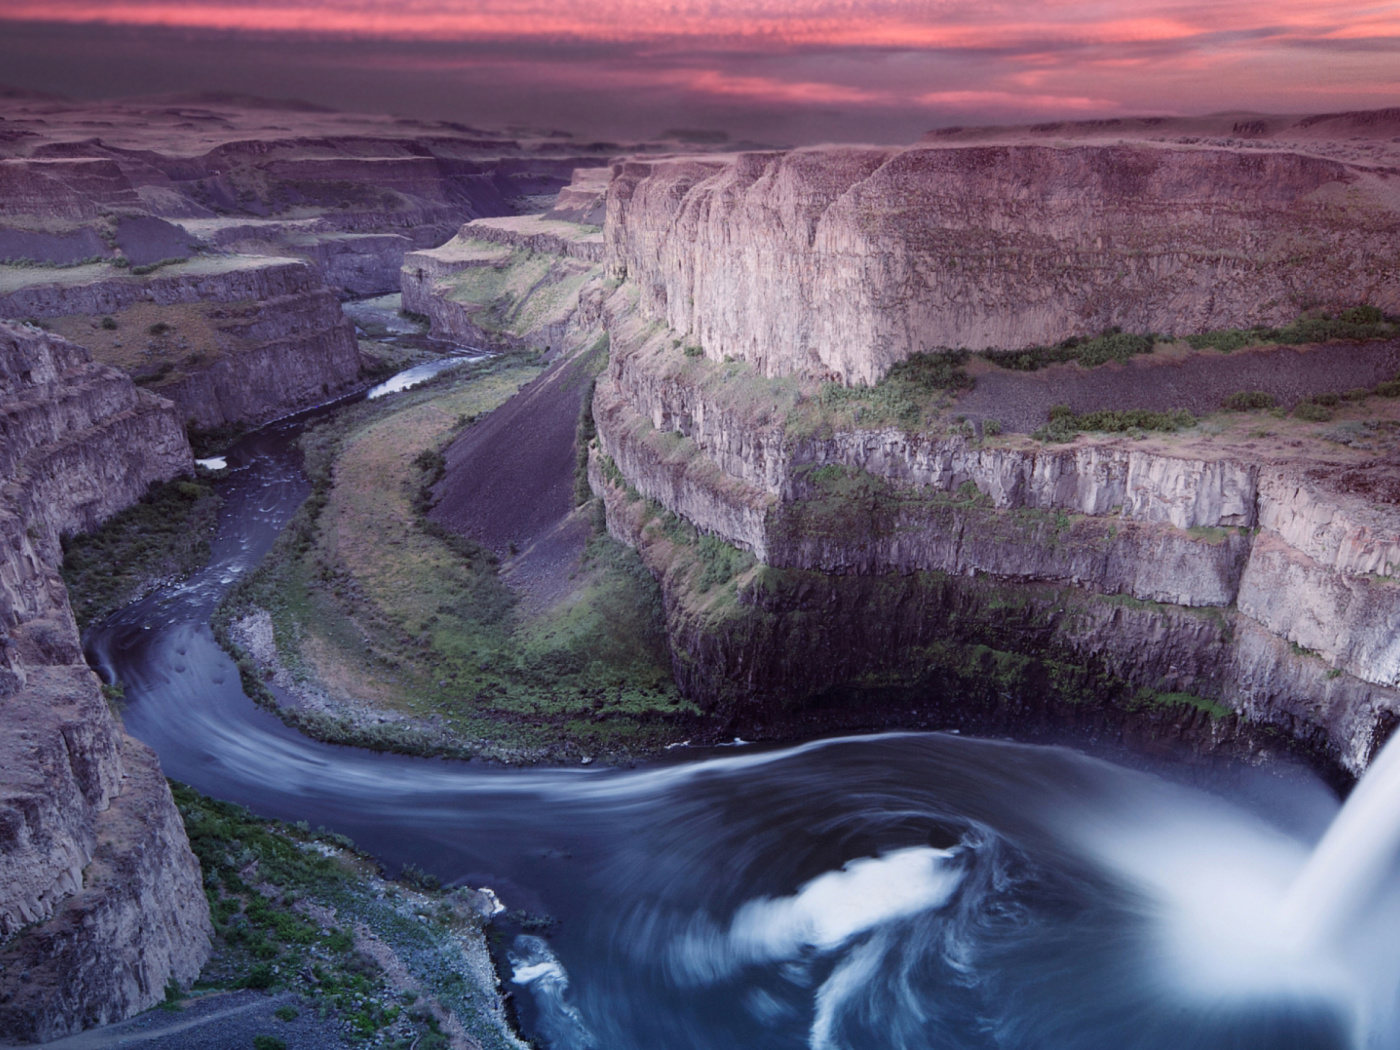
{"x": 1301, "y": 573}
{"x": 526, "y": 281}
{"x": 285, "y": 343}
{"x": 100, "y": 897}
{"x": 842, "y": 262}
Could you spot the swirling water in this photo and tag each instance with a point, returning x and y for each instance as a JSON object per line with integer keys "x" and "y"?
{"x": 893, "y": 891}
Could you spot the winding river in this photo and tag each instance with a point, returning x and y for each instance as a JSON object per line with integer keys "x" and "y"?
{"x": 895, "y": 891}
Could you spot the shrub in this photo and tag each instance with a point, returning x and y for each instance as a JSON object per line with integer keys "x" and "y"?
{"x": 1248, "y": 400}
{"x": 1112, "y": 345}
{"x": 1389, "y": 389}
{"x": 286, "y": 1013}
{"x": 109, "y": 323}
{"x": 1311, "y": 413}
{"x": 268, "y": 1042}
{"x": 159, "y": 328}
{"x": 260, "y": 977}
{"x": 1225, "y": 341}
{"x": 1064, "y": 424}
{"x": 991, "y": 427}
{"x": 1329, "y": 399}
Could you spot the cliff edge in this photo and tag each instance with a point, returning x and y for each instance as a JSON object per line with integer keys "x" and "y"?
{"x": 100, "y": 897}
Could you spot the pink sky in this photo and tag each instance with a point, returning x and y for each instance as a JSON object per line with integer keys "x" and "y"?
{"x": 932, "y": 61}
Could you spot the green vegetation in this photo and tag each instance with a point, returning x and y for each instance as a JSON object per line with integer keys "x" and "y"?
{"x": 376, "y": 602}
{"x": 148, "y": 268}
{"x": 1112, "y": 345}
{"x": 1066, "y": 425}
{"x": 908, "y": 395}
{"x": 1359, "y": 323}
{"x": 1312, "y": 413}
{"x": 1249, "y": 401}
{"x": 166, "y": 535}
{"x": 285, "y": 903}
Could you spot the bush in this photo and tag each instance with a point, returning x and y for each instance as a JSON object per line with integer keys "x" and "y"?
{"x": 268, "y": 1042}
{"x": 1389, "y": 389}
{"x": 159, "y": 328}
{"x": 1331, "y": 400}
{"x": 260, "y": 977}
{"x": 991, "y": 427}
{"x": 109, "y": 323}
{"x": 1312, "y": 413}
{"x": 1249, "y": 400}
{"x": 1226, "y": 341}
{"x": 1112, "y": 345}
{"x": 1065, "y": 425}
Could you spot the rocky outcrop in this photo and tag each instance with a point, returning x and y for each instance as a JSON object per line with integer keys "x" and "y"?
{"x": 516, "y": 282}
{"x": 842, "y": 262}
{"x": 585, "y": 199}
{"x": 281, "y": 340}
{"x": 100, "y": 897}
{"x": 1299, "y": 573}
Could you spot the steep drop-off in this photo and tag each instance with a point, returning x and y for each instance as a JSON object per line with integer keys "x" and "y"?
{"x": 1245, "y": 568}
{"x": 348, "y": 193}
{"x": 841, "y": 262}
{"x": 229, "y": 339}
{"x": 100, "y": 897}
{"x": 510, "y": 283}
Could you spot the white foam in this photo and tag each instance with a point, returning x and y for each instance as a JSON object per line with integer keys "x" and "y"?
{"x": 212, "y": 463}
{"x": 839, "y": 905}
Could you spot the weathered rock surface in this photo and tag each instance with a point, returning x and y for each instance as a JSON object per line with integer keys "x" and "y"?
{"x": 509, "y": 282}
{"x": 844, "y": 261}
{"x": 283, "y": 342}
{"x": 100, "y": 898}
{"x": 1300, "y": 570}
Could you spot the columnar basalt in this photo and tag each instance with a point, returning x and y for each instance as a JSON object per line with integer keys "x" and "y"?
{"x": 100, "y": 897}
{"x": 749, "y": 282}
{"x": 845, "y": 261}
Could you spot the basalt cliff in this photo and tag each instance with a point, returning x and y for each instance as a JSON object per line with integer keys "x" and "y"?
{"x": 100, "y": 898}
{"x": 814, "y": 551}
{"x": 845, "y": 261}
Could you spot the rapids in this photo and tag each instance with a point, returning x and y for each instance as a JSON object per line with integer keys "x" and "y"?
{"x": 892, "y": 891}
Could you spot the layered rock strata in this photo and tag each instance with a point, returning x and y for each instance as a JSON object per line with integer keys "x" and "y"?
{"x": 100, "y": 897}
{"x": 517, "y": 282}
{"x": 1302, "y": 578}
{"x": 842, "y": 262}
{"x": 281, "y": 340}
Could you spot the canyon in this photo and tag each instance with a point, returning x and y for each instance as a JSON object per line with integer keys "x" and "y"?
{"x": 1226, "y": 571}
{"x": 102, "y": 904}
{"x": 828, "y": 555}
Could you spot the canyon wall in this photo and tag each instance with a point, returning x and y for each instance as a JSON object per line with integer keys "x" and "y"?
{"x": 841, "y": 262}
{"x": 508, "y": 283}
{"x": 100, "y": 897}
{"x": 279, "y": 341}
{"x": 1252, "y": 581}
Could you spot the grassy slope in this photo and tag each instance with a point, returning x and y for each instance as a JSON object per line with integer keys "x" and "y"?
{"x": 291, "y": 911}
{"x": 369, "y": 604}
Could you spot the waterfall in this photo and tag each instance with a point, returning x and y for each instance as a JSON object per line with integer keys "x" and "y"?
{"x": 1352, "y": 859}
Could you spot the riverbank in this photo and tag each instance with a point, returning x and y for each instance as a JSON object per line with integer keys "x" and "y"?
{"x": 371, "y": 625}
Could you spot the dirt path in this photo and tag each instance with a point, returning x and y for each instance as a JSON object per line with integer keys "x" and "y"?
{"x": 213, "y": 1022}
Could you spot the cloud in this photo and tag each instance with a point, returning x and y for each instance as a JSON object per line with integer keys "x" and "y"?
{"x": 784, "y": 68}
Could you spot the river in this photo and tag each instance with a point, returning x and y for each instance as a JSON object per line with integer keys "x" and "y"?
{"x": 894, "y": 891}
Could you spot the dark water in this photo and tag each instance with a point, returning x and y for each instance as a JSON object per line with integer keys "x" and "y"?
{"x": 907, "y": 890}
